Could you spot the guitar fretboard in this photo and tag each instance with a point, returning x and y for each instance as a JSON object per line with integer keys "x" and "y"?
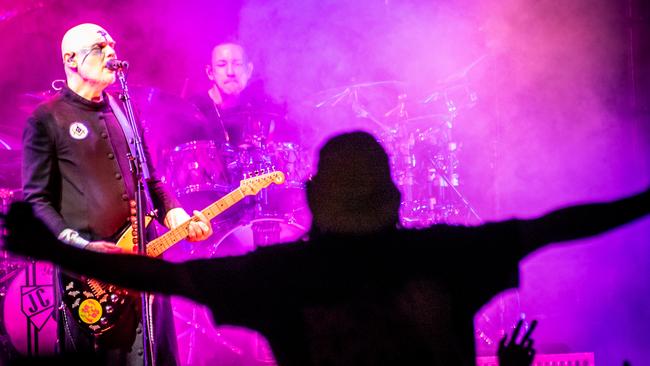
{"x": 157, "y": 246}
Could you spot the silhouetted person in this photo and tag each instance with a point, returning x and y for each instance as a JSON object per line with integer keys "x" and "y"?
{"x": 513, "y": 353}
{"x": 360, "y": 291}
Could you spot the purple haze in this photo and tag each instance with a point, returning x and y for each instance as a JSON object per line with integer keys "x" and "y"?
{"x": 561, "y": 118}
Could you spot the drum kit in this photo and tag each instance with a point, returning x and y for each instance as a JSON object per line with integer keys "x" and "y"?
{"x": 416, "y": 129}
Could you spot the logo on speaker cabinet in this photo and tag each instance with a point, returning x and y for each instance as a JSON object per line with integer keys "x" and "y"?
{"x": 37, "y": 303}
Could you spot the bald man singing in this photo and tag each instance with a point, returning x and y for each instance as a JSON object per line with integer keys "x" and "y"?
{"x": 77, "y": 176}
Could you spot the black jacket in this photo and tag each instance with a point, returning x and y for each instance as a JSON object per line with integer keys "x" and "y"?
{"x": 75, "y": 168}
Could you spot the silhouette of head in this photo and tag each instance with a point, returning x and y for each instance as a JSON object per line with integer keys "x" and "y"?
{"x": 353, "y": 192}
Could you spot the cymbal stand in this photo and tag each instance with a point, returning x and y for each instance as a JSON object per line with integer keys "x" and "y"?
{"x": 362, "y": 112}
{"x": 335, "y": 99}
{"x": 446, "y": 172}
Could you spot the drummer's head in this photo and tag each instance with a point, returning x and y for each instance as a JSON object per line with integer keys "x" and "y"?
{"x": 85, "y": 49}
{"x": 229, "y": 68}
{"x": 353, "y": 192}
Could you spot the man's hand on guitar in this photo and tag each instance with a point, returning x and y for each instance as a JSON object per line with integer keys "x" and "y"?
{"x": 104, "y": 247}
{"x": 199, "y": 227}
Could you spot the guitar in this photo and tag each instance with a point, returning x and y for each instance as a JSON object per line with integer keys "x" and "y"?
{"x": 96, "y": 306}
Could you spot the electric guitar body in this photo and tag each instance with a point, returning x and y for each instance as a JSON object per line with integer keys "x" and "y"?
{"x": 97, "y": 306}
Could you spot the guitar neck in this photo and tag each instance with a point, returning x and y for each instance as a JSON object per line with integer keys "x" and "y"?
{"x": 157, "y": 246}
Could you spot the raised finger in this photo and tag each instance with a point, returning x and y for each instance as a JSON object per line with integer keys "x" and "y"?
{"x": 515, "y": 333}
{"x": 530, "y": 330}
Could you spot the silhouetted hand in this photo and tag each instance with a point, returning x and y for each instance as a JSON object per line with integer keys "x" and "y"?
{"x": 517, "y": 354}
{"x": 27, "y": 235}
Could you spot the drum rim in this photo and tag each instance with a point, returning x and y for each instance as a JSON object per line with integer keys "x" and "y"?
{"x": 203, "y": 187}
{"x": 195, "y": 144}
{"x": 281, "y": 220}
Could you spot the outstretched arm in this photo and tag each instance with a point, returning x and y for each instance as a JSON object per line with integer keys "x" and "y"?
{"x": 582, "y": 221}
{"x": 28, "y": 235}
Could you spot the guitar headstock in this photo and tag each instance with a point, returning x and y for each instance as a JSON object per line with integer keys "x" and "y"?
{"x": 259, "y": 180}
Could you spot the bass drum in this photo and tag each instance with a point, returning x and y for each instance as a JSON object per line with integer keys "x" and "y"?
{"x": 28, "y": 311}
{"x": 259, "y": 232}
{"x": 200, "y": 341}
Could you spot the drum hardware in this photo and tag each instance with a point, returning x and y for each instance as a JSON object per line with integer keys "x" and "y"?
{"x": 197, "y": 328}
{"x": 423, "y": 154}
{"x": 368, "y": 90}
{"x": 249, "y": 128}
{"x": 426, "y": 170}
{"x": 361, "y": 112}
{"x": 288, "y": 157}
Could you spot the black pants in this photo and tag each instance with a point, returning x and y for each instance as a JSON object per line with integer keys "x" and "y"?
{"x": 123, "y": 344}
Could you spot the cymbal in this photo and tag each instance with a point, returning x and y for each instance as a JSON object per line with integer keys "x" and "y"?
{"x": 366, "y": 90}
{"x": 253, "y": 117}
{"x": 457, "y": 84}
{"x": 461, "y": 74}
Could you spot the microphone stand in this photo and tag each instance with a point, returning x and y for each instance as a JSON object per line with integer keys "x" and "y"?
{"x": 141, "y": 172}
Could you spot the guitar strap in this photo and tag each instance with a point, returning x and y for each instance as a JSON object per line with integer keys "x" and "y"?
{"x": 126, "y": 127}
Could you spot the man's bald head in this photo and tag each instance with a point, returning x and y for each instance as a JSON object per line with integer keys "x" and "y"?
{"x": 85, "y": 49}
{"x": 82, "y": 36}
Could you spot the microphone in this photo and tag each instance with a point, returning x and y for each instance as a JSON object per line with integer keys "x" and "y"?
{"x": 117, "y": 65}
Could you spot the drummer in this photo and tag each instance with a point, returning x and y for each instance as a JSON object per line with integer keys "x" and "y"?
{"x": 237, "y": 109}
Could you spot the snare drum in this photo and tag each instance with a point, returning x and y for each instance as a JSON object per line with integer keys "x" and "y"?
{"x": 267, "y": 231}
